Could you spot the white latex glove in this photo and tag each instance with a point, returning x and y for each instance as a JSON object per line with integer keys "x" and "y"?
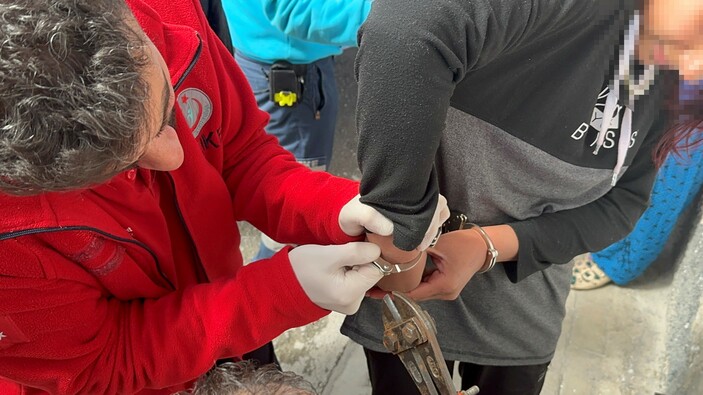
{"x": 356, "y": 218}
{"x": 336, "y": 277}
{"x": 441, "y": 214}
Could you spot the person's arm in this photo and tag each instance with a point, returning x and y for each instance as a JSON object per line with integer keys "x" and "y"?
{"x": 68, "y": 335}
{"x": 458, "y": 256}
{"x": 406, "y": 280}
{"x": 528, "y": 246}
{"x": 411, "y": 56}
{"x": 319, "y": 21}
{"x": 558, "y": 237}
{"x": 411, "y": 262}
{"x": 269, "y": 188}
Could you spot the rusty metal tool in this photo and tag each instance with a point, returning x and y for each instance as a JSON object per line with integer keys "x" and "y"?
{"x": 411, "y": 334}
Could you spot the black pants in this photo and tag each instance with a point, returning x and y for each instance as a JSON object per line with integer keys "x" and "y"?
{"x": 263, "y": 355}
{"x": 389, "y": 377}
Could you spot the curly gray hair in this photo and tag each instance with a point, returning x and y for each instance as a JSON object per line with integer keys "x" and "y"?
{"x": 72, "y": 95}
{"x": 244, "y": 378}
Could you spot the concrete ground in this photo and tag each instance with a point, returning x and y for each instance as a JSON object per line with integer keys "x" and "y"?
{"x": 645, "y": 338}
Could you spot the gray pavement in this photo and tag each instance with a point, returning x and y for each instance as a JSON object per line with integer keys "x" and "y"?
{"x": 645, "y": 338}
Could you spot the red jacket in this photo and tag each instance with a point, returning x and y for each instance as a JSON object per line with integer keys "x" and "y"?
{"x": 138, "y": 284}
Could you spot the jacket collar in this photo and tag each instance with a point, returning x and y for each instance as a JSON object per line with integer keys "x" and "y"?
{"x": 179, "y": 45}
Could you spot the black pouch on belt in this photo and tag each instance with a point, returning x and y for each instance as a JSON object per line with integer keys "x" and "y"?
{"x": 286, "y": 83}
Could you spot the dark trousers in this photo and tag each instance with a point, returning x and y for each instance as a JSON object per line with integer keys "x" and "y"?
{"x": 389, "y": 377}
{"x": 263, "y": 355}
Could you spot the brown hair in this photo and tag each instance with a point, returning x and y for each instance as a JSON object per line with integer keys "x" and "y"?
{"x": 687, "y": 111}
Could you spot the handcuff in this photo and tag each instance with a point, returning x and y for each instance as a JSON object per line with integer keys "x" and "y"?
{"x": 456, "y": 221}
{"x": 388, "y": 268}
{"x": 459, "y": 221}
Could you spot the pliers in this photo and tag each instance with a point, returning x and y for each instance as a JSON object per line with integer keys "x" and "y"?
{"x": 411, "y": 334}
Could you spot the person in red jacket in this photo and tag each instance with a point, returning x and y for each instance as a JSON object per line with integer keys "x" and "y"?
{"x": 130, "y": 145}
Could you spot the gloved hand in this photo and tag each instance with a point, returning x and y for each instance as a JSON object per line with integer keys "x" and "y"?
{"x": 336, "y": 277}
{"x": 356, "y": 218}
{"x": 441, "y": 214}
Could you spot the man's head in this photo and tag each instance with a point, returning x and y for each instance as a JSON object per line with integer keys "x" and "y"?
{"x": 244, "y": 378}
{"x": 672, "y": 36}
{"x": 83, "y": 96}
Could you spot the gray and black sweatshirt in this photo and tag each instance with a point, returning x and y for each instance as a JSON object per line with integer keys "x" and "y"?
{"x": 499, "y": 105}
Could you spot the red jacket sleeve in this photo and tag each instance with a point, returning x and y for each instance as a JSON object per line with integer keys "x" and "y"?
{"x": 269, "y": 188}
{"x": 90, "y": 342}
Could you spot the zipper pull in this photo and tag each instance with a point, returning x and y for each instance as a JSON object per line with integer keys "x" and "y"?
{"x": 317, "y": 115}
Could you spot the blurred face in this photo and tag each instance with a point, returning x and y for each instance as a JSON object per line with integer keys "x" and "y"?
{"x": 672, "y": 36}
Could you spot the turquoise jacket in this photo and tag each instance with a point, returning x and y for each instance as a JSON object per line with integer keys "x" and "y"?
{"x": 299, "y": 31}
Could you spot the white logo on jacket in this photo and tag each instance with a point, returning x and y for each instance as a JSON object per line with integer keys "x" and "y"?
{"x": 596, "y": 123}
{"x": 196, "y": 107}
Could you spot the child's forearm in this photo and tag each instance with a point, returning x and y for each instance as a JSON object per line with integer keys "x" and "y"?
{"x": 406, "y": 280}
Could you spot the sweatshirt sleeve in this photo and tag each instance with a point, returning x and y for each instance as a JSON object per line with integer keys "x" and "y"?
{"x": 92, "y": 342}
{"x": 319, "y": 21}
{"x": 411, "y": 56}
{"x": 269, "y": 188}
{"x": 558, "y": 237}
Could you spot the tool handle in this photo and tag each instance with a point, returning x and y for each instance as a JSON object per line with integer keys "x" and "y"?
{"x": 471, "y": 391}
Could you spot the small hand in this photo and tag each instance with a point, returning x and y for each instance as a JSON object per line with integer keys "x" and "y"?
{"x": 336, "y": 277}
{"x": 458, "y": 256}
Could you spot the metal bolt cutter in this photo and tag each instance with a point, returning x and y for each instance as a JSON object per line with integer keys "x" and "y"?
{"x": 411, "y": 334}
